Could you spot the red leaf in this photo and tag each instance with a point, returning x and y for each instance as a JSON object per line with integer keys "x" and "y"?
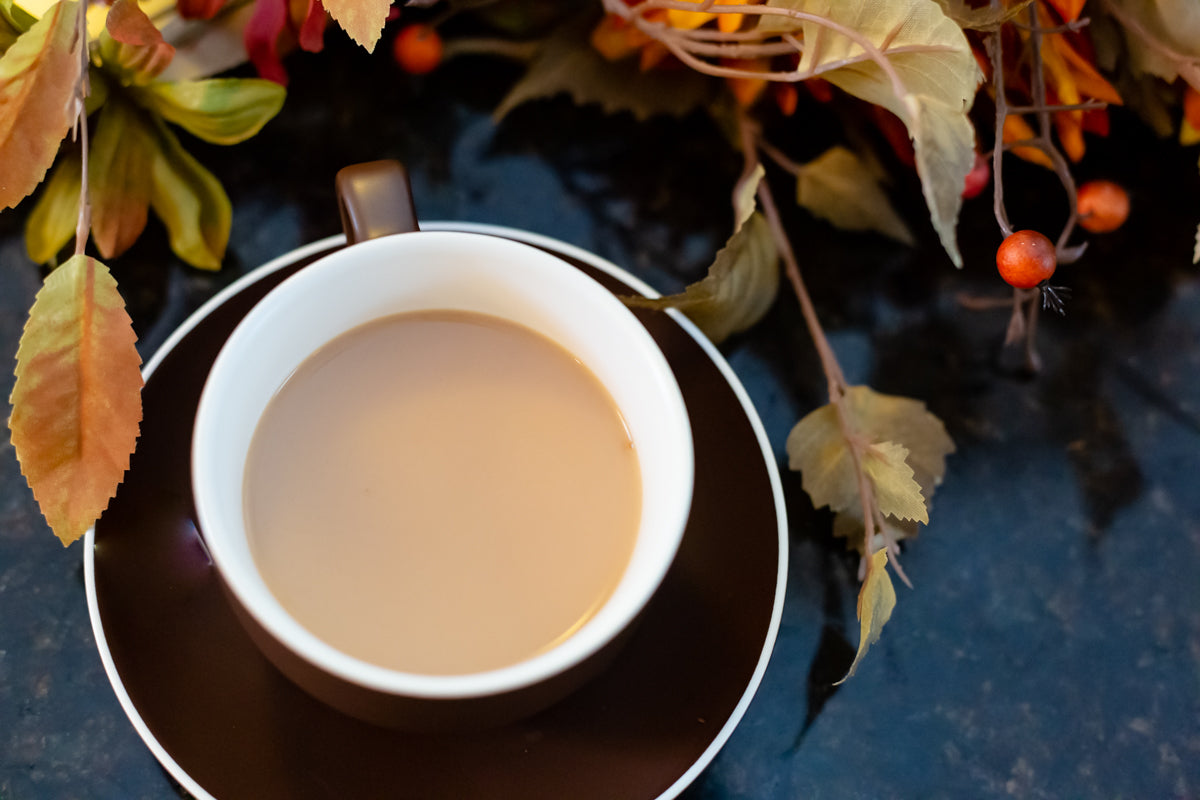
{"x": 311, "y": 34}
{"x": 198, "y": 9}
{"x": 140, "y": 47}
{"x": 76, "y": 402}
{"x": 261, "y": 38}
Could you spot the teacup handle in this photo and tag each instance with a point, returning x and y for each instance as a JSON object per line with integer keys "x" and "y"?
{"x": 375, "y": 200}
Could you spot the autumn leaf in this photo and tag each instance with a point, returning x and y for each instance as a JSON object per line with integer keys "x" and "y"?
{"x": 119, "y": 177}
{"x": 739, "y": 288}
{"x": 841, "y": 188}
{"x": 876, "y": 601}
{"x": 363, "y": 20}
{"x": 38, "y": 75}
{"x": 566, "y": 64}
{"x": 76, "y": 401}
{"x": 1163, "y": 37}
{"x": 745, "y": 196}
{"x": 897, "y": 493}
{"x": 219, "y": 110}
{"x": 929, "y": 55}
{"x": 131, "y": 46}
{"x": 984, "y": 18}
{"x": 190, "y": 201}
{"x": 51, "y": 223}
{"x": 819, "y": 449}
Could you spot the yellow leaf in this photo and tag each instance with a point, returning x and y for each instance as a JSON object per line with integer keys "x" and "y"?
{"x": 220, "y": 110}
{"x": 38, "y": 74}
{"x": 890, "y": 418}
{"x": 739, "y": 288}
{"x": 190, "y": 201}
{"x": 897, "y": 494}
{"x": 840, "y": 187}
{"x": 818, "y": 449}
{"x": 876, "y": 601}
{"x": 76, "y": 401}
{"x": 362, "y": 19}
{"x": 55, "y": 215}
{"x": 848, "y": 525}
{"x": 745, "y": 196}
{"x": 931, "y": 58}
{"x": 119, "y": 177}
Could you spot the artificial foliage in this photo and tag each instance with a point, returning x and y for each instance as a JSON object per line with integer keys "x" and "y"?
{"x": 956, "y": 88}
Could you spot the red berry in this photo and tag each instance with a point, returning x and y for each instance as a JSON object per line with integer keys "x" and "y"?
{"x": 978, "y": 178}
{"x": 417, "y": 49}
{"x": 1026, "y": 259}
{"x": 1103, "y": 206}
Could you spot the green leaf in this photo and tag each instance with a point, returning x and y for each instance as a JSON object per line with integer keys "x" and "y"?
{"x": 190, "y": 201}
{"x": 876, "y": 601}
{"x": 932, "y": 60}
{"x": 38, "y": 74}
{"x": 738, "y": 290}
{"x": 51, "y": 224}
{"x": 897, "y": 494}
{"x": 568, "y": 64}
{"x": 841, "y": 188}
{"x": 220, "y": 110}
{"x": 76, "y": 401}
{"x": 13, "y": 22}
{"x": 119, "y": 167}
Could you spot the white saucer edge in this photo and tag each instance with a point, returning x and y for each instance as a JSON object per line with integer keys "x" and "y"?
{"x": 735, "y": 717}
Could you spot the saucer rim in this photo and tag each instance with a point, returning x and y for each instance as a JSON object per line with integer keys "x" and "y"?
{"x": 554, "y": 246}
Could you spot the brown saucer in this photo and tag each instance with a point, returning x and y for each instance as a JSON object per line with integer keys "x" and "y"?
{"x": 226, "y": 724}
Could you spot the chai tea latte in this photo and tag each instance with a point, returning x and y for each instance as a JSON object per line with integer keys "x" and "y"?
{"x": 442, "y": 492}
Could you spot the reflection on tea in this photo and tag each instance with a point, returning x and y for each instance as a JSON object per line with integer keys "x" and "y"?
{"x": 442, "y": 492}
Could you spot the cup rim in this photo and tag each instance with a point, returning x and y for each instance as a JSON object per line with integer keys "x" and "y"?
{"x": 286, "y": 630}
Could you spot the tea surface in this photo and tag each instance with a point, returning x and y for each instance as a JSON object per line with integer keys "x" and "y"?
{"x": 442, "y": 492}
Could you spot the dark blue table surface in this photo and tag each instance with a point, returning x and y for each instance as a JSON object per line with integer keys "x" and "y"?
{"x": 1051, "y": 645}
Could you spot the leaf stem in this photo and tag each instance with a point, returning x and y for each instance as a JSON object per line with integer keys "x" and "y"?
{"x": 835, "y": 378}
{"x": 82, "y": 88}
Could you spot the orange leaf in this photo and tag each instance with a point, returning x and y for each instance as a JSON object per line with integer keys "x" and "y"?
{"x": 135, "y": 45}
{"x": 1068, "y": 9}
{"x": 38, "y": 74}
{"x": 77, "y": 398}
{"x": 362, "y": 19}
{"x": 119, "y": 172}
{"x": 1191, "y": 106}
{"x": 1016, "y": 129}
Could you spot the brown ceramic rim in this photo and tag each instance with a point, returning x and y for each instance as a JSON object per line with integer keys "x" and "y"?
{"x": 226, "y": 724}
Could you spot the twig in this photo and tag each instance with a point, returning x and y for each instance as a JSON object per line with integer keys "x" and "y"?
{"x": 835, "y": 378}
{"x": 84, "y": 224}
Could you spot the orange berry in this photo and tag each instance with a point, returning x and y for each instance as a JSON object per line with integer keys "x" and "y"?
{"x": 1103, "y": 206}
{"x": 417, "y": 49}
{"x": 1026, "y": 259}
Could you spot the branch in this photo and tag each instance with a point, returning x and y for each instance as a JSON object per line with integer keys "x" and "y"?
{"x": 84, "y": 224}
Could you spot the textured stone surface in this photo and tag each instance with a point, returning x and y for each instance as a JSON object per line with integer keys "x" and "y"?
{"x": 1051, "y": 647}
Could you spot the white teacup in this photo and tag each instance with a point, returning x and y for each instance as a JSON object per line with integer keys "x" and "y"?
{"x": 416, "y": 271}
